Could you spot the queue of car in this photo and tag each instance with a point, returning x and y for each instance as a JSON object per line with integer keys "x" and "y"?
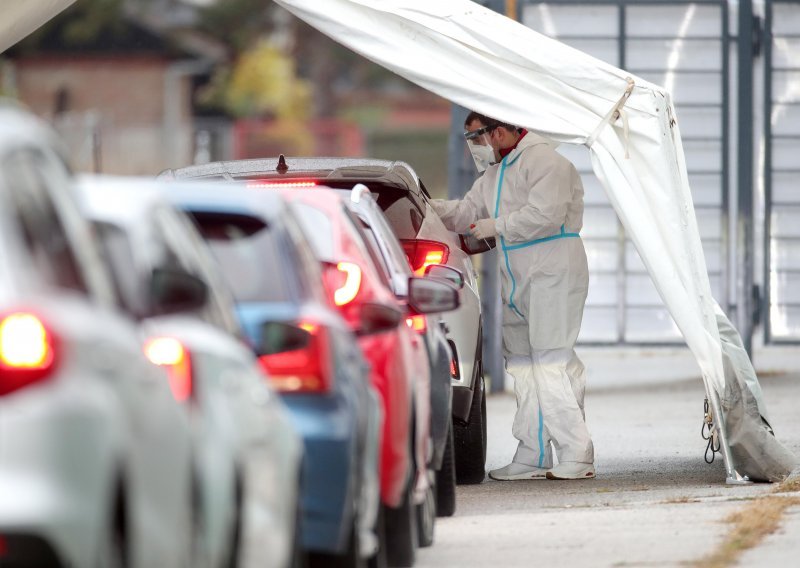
{"x": 227, "y": 366}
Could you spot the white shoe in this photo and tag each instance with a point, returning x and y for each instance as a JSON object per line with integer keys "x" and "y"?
{"x": 572, "y": 470}
{"x": 515, "y": 471}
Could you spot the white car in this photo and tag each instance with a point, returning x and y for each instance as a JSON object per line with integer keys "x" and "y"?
{"x": 404, "y": 200}
{"x": 95, "y": 455}
{"x": 247, "y": 451}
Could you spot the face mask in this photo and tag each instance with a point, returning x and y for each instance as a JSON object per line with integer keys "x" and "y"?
{"x": 482, "y": 155}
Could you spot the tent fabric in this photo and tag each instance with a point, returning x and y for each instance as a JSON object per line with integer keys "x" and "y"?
{"x": 18, "y": 18}
{"x": 486, "y": 62}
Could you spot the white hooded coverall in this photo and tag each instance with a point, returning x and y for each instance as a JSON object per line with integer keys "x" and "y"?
{"x": 535, "y": 196}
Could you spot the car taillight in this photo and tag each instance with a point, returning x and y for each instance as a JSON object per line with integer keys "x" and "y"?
{"x": 417, "y": 323}
{"x": 170, "y": 353}
{"x": 304, "y": 370}
{"x": 421, "y": 254}
{"x": 454, "y": 371}
{"x": 27, "y": 351}
{"x": 280, "y": 184}
{"x": 343, "y": 282}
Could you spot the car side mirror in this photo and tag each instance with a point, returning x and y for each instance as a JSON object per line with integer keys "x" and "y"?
{"x": 173, "y": 290}
{"x": 279, "y": 337}
{"x": 377, "y": 318}
{"x": 446, "y": 273}
{"x": 429, "y": 296}
{"x": 473, "y": 245}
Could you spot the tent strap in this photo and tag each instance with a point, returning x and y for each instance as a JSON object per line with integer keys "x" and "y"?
{"x": 612, "y": 115}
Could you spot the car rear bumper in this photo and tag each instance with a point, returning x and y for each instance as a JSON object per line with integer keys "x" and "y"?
{"x": 55, "y": 447}
{"x": 330, "y": 433}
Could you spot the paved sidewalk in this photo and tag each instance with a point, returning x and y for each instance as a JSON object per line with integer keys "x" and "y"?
{"x": 655, "y": 501}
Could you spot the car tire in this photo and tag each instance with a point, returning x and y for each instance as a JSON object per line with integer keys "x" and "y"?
{"x": 426, "y": 513}
{"x": 470, "y": 440}
{"x": 446, "y": 478}
{"x": 401, "y": 530}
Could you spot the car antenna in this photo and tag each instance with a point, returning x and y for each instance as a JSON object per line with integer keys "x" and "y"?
{"x": 282, "y": 167}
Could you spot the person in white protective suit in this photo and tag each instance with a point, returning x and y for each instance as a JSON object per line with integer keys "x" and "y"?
{"x": 531, "y": 199}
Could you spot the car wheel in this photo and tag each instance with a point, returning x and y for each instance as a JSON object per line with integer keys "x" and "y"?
{"x": 401, "y": 530}
{"x": 446, "y": 479}
{"x": 470, "y": 440}
{"x": 426, "y": 512}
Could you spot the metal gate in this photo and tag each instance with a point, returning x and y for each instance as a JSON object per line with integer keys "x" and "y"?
{"x": 684, "y": 47}
{"x": 782, "y": 171}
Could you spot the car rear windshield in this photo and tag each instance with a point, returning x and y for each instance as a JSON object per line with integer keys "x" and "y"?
{"x": 403, "y": 209}
{"x": 317, "y": 228}
{"x": 128, "y": 284}
{"x": 246, "y": 249}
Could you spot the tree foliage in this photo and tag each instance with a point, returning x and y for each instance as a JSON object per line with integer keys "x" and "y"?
{"x": 80, "y": 24}
{"x": 237, "y": 23}
{"x": 264, "y": 82}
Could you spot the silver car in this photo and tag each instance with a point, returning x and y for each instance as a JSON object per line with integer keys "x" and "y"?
{"x": 404, "y": 200}
{"x": 248, "y": 454}
{"x": 95, "y": 455}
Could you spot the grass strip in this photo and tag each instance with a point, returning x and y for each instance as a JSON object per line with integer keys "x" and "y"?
{"x": 751, "y": 525}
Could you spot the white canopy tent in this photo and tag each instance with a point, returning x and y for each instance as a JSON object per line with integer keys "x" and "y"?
{"x": 18, "y": 18}
{"x": 484, "y": 61}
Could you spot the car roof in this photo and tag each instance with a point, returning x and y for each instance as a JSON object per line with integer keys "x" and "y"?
{"x": 200, "y": 195}
{"x": 339, "y": 169}
{"x": 123, "y": 200}
{"x": 18, "y": 127}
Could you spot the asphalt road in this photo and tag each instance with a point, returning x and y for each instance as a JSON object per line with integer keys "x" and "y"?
{"x": 655, "y": 502}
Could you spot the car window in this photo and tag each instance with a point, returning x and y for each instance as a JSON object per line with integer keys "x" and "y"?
{"x": 247, "y": 251}
{"x": 180, "y": 251}
{"x": 308, "y": 271}
{"x": 396, "y": 257}
{"x": 363, "y": 237}
{"x": 42, "y": 230}
{"x": 405, "y": 216}
{"x": 374, "y": 247}
{"x": 221, "y": 296}
{"x": 317, "y": 228}
{"x": 118, "y": 253}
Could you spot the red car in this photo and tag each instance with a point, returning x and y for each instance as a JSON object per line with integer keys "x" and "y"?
{"x": 399, "y": 360}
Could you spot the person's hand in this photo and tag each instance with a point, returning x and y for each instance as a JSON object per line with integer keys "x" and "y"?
{"x": 483, "y": 229}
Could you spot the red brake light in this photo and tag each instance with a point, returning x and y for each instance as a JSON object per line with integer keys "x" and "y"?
{"x": 417, "y": 323}
{"x": 27, "y": 351}
{"x": 343, "y": 282}
{"x": 421, "y": 254}
{"x": 454, "y": 371}
{"x": 280, "y": 184}
{"x": 304, "y": 370}
{"x": 170, "y": 353}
